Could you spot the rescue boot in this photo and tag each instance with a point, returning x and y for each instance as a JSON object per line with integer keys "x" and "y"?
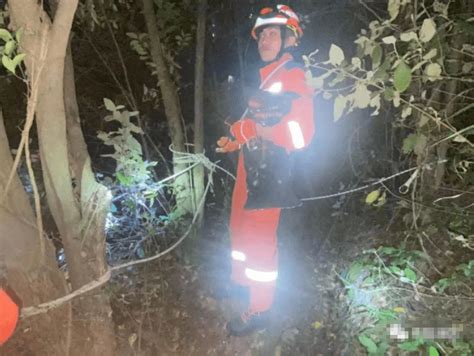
{"x": 232, "y": 291}
{"x": 247, "y": 323}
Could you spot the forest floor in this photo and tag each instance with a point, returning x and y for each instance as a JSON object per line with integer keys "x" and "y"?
{"x": 167, "y": 308}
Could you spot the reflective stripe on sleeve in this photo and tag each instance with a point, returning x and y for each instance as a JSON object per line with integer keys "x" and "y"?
{"x": 261, "y": 276}
{"x": 275, "y": 88}
{"x": 296, "y": 134}
{"x": 238, "y": 255}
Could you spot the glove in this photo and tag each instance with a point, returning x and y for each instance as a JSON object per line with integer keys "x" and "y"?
{"x": 244, "y": 130}
{"x": 267, "y": 108}
{"x": 226, "y": 145}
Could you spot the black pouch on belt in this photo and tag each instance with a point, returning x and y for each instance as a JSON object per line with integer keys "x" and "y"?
{"x": 270, "y": 182}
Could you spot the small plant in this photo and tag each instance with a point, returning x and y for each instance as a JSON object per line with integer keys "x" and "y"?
{"x": 11, "y": 58}
{"x": 378, "y": 299}
{"x": 135, "y": 216}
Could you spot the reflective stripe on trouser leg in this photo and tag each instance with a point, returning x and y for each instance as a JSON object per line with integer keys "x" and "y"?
{"x": 238, "y": 259}
{"x": 261, "y": 276}
{"x": 262, "y": 288}
{"x": 262, "y": 285}
{"x": 238, "y": 255}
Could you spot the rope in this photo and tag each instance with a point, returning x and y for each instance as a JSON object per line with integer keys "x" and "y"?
{"x": 183, "y": 158}
{"x": 380, "y": 181}
{"x": 194, "y": 159}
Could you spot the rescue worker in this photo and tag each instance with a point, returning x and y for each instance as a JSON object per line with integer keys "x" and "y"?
{"x": 9, "y": 314}
{"x": 277, "y": 123}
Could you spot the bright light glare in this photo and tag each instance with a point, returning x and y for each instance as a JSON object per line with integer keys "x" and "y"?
{"x": 296, "y": 134}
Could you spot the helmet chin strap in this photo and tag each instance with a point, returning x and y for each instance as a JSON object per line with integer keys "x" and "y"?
{"x": 283, "y": 40}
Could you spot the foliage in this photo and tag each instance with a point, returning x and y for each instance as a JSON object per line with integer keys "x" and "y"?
{"x": 175, "y": 21}
{"x": 376, "y": 198}
{"x": 415, "y": 65}
{"x": 409, "y": 64}
{"x": 131, "y": 169}
{"x": 376, "y": 292}
{"x": 11, "y": 58}
{"x": 134, "y": 213}
{"x": 176, "y": 30}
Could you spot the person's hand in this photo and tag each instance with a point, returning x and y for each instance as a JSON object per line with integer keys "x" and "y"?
{"x": 244, "y": 131}
{"x": 226, "y": 145}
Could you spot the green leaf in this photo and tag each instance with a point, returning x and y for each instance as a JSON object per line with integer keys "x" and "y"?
{"x": 18, "y": 58}
{"x": 421, "y": 142}
{"x": 361, "y": 96}
{"x": 402, "y": 77}
{"x": 336, "y": 55}
{"x": 5, "y": 35}
{"x": 407, "y": 111}
{"x": 372, "y": 197}
{"x": 375, "y": 103}
{"x": 339, "y": 106}
{"x": 409, "y": 143}
{"x": 382, "y": 200}
{"x": 368, "y": 343}
{"x": 388, "y": 94}
{"x": 467, "y": 67}
{"x": 376, "y": 56}
{"x": 393, "y": 8}
{"x": 432, "y": 351}
{"x": 409, "y": 345}
{"x": 19, "y": 34}
{"x": 109, "y": 104}
{"x": 442, "y": 284}
{"x": 354, "y": 271}
{"x": 441, "y": 7}
{"x": 431, "y": 54}
{"x": 8, "y": 64}
{"x": 428, "y": 30}
{"x": 410, "y": 274}
{"x": 389, "y": 250}
{"x": 132, "y": 35}
{"x": 356, "y": 62}
{"x": 433, "y": 71}
{"x": 133, "y": 144}
{"x": 9, "y": 47}
{"x": 389, "y": 40}
{"x": 423, "y": 120}
{"x": 395, "y": 270}
{"x": 408, "y": 36}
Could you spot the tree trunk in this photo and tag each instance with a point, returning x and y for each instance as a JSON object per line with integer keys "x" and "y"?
{"x": 33, "y": 277}
{"x": 199, "y": 102}
{"x": 80, "y": 217}
{"x": 172, "y": 106}
{"x": 95, "y": 200}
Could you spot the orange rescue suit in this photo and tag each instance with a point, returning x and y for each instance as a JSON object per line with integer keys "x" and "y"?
{"x": 9, "y": 314}
{"x": 254, "y": 232}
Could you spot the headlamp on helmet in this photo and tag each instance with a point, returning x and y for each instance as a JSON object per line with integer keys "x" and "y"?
{"x": 282, "y": 15}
